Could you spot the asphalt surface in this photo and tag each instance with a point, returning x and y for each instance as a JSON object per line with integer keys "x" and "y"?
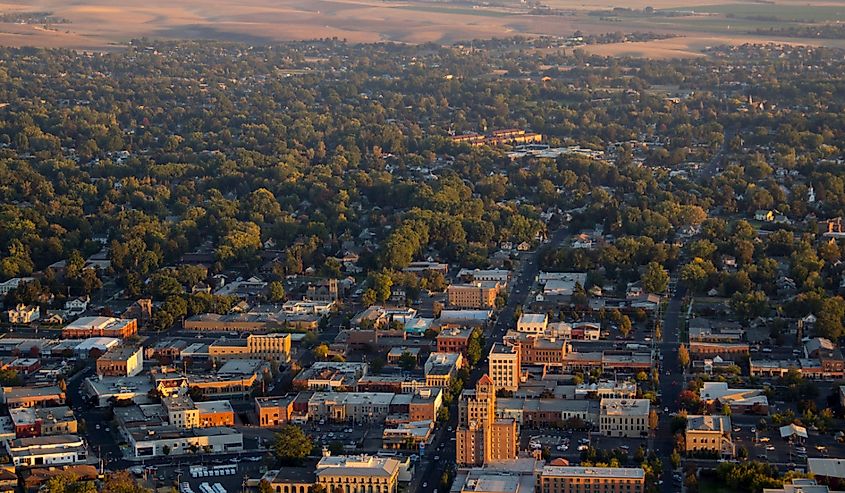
{"x": 713, "y": 166}
{"x": 671, "y": 385}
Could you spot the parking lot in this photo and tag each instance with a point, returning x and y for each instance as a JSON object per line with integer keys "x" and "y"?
{"x": 570, "y": 444}
{"x": 767, "y": 445}
{"x": 173, "y": 475}
{"x": 350, "y": 436}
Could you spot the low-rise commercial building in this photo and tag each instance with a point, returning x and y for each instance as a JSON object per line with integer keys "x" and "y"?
{"x": 269, "y": 347}
{"x": 548, "y": 413}
{"x": 235, "y": 379}
{"x": 330, "y": 376}
{"x": 534, "y": 323}
{"x": 709, "y": 434}
{"x": 408, "y": 436}
{"x": 120, "y": 328}
{"x": 624, "y": 417}
{"x": 477, "y": 295}
{"x": 290, "y": 480}
{"x": 571, "y": 479}
{"x": 547, "y": 351}
{"x": 15, "y": 397}
{"x": 238, "y": 322}
{"x": 440, "y": 368}
{"x": 43, "y": 421}
{"x": 273, "y": 411}
{"x": 121, "y": 361}
{"x": 358, "y": 474}
{"x": 169, "y": 441}
{"x": 453, "y": 340}
{"x": 801, "y": 485}
{"x": 107, "y": 390}
{"x": 374, "y": 407}
{"x": 47, "y": 450}
{"x": 500, "y": 276}
{"x": 726, "y": 350}
{"x": 740, "y": 401}
{"x": 829, "y": 471}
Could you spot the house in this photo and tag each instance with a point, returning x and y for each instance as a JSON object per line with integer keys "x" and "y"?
{"x": 23, "y": 314}
{"x": 764, "y": 215}
{"x": 201, "y": 287}
{"x": 583, "y": 241}
{"x": 77, "y": 306}
{"x": 13, "y": 283}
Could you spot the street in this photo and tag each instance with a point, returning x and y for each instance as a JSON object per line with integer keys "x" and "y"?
{"x": 441, "y": 456}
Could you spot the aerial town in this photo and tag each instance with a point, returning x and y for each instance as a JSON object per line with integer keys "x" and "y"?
{"x": 319, "y": 267}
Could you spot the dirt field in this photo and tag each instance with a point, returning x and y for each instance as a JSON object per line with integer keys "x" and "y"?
{"x": 99, "y": 25}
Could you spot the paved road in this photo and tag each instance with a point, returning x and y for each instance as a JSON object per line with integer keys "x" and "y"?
{"x": 430, "y": 470}
{"x": 715, "y": 162}
{"x": 670, "y": 386}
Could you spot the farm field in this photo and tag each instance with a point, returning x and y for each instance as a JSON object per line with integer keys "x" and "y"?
{"x": 99, "y": 25}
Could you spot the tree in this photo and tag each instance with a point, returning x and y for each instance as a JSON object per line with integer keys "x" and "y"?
{"x": 474, "y": 347}
{"x": 10, "y": 378}
{"x": 407, "y": 361}
{"x": 121, "y": 482}
{"x": 292, "y": 445}
{"x": 653, "y": 419}
{"x": 376, "y": 365}
{"x": 369, "y": 297}
{"x": 750, "y": 305}
{"x": 321, "y": 352}
{"x": 683, "y": 356}
{"x": 829, "y": 318}
{"x": 69, "y": 482}
{"x": 625, "y": 326}
{"x": 675, "y": 459}
{"x": 276, "y": 292}
{"x": 694, "y": 275}
{"x": 655, "y": 278}
{"x": 382, "y": 284}
{"x": 264, "y": 486}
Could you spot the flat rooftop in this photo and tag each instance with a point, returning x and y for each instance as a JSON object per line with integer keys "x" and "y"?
{"x": 208, "y": 407}
{"x": 119, "y": 353}
{"x": 625, "y": 407}
{"x": 533, "y": 318}
{"x": 273, "y": 401}
{"x": 594, "y": 472}
{"x": 241, "y": 367}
